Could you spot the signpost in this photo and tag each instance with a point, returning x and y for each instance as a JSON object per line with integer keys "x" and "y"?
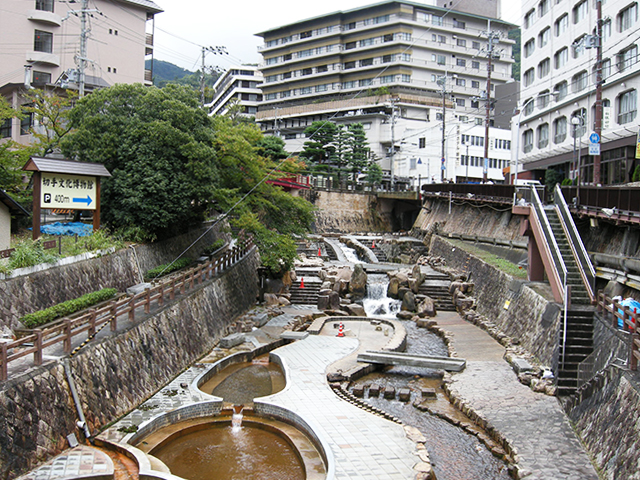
{"x": 65, "y": 184}
{"x": 594, "y": 144}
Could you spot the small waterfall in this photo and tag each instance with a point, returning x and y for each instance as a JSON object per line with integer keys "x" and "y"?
{"x": 350, "y": 253}
{"x": 236, "y": 418}
{"x": 376, "y": 303}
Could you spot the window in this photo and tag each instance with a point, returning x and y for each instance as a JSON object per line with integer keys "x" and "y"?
{"x": 423, "y": 17}
{"x": 405, "y": 57}
{"x": 475, "y": 104}
{"x": 286, "y": 57}
{"x": 529, "y": 18}
{"x": 436, "y": 20}
{"x": 366, "y": 62}
{"x": 439, "y": 59}
{"x": 543, "y": 7}
{"x": 45, "y": 5}
{"x": 606, "y": 30}
{"x": 351, "y": 84}
{"x": 285, "y": 94}
{"x": 461, "y": 82}
{"x": 422, "y": 142}
{"x": 286, "y": 75}
{"x": 366, "y": 42}
{"x": 543, "y": 37}
{"x": 270, "y": 96}
{"x": 388, "y": 37}
{"x": 527, "y": 141}
{"x": 543, "y": 99}
{"x": 350, "y": 26}
{"x": 461, "y": 42}
{"x": 461, "y": 62}
{"x": 627, "y": 106}
{"x": 365, "y": 82}
{"x": 544, "y": 67}
{"x": 386, "y": 79}
{"x": 543, "y": 135}
{"x": 442, "y": 39}
{"x": 528, "y": 106}
{"x": 349, "y": 65}
{"x": 529, "y": 47}
{"x": 458, "y": 24}
{"x": 306, "y": 34}
{"x": 321, "y": 88}
{"x": 559, "y": 130}
{"x": 475, "y": 84}
{"x": 43, "y": 41}
{"x": 406, "y": 37}
{"x": 272, "y": 60}
{"x": 460, "y": 102}
{"x": 405, "y": 78}
{"x": 581, "y": 128}
{"x": 580, "y": 11}
{"x": 475, "y": 64}
{"x": 475, "y": 45}
{"x": 628, "y": 17}
{"x": 579, "y": 81}
{"x": 5, "y": 128}
{"x": 26, "y": 122}
{"x": 322, "y": 69}
{"x": 528, "y": 77}
{"x": 289, "y": 136}
{"x": 387, "y": 58}
{"x": 305, "y": 90}
{"x": 41, "y": 78}
{"x": 350, "y": 45}
{"x": 561, "y": 25}
{"x": 561, "y": 58}
{"x": 319, "y": 50}
{"x": 627, "y": 58}
{"x": 606, "y": 68}
{"x": 561, "y": 89}
{"x": 306, "y": 71}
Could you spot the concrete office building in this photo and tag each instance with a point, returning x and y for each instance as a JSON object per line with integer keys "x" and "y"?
{"x": 559, "y": 89}
{"x": 238, "y": 85}
{"x": 387, "y": 64}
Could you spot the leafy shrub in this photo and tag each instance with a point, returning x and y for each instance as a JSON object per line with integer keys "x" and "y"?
{"x": 29, "y": 253}
{"x": 136, "y": 234}
{"x": 566, "y": 181}
{"x": 167, "y": 269}
{"x": 214, "y": 246}
{"x": 636, "y": 174}
{"x": 35, "y": 319}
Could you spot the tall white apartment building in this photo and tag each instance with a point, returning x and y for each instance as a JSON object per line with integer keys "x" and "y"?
{"x": 238, "y": 85}
{"x": 558, "y": 94}
{"x": 383, "y": 65}
{"x": 40, "y": 46}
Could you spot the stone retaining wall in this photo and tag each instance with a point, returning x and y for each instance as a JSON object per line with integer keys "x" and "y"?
{"x": 605, "y": 413}
{"x": 341, "y": 212}
{"x": 530, "y": 318}
{"x": 117, "y": 373}
{"x": 29, "y": 293}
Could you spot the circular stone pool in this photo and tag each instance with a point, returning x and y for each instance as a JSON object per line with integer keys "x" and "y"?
{"x": 217, "y": 450}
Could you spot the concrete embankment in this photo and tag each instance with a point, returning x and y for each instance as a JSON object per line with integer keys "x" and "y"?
{"x": 114, "y": 374}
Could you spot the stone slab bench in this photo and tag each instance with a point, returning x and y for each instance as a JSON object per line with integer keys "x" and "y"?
{"x": 426, "y": 361}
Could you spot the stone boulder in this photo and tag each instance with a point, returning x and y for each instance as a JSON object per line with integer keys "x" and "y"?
{"x": 409, "y": 302}
{"x": 392, "y": 288}
{"x": 334, "y": 301}
{"x": 426, "y": 307}
{"x": 355, "y": 310}
{"x": 358, "y": 283}
{"x": 344, "y": 273}
{"x": 271, "y": 299}
{"x": 323, "y": 302}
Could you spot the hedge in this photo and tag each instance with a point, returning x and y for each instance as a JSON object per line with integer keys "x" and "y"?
{"x": 167, "y": 269}
{"x": 35, "y": 319}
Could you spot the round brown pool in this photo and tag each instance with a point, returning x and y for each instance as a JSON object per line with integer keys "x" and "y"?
{"x": 217, "y": 450}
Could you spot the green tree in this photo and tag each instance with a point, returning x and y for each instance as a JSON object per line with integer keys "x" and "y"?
{"x": 272, "y": 147}
{"x": 157, "y": 145}
{"x": 320, "y": 148}
{"x": 359, "y": 151}
{"x": 515, "y": 69}
{"x": 374, "y": 174}
{"x": 51, "y": 115}
{"x": 12, "y": 158}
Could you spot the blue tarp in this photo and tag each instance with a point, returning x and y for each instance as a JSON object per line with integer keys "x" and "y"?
{"x": 632, "y": 304}
{"x": 69, "y": 228}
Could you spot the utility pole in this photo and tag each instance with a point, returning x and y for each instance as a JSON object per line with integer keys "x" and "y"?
{"x": 442, "y": 81}
{"x": 219, "y": 50}
{"x": 82, "y": 59}
{"x": 491, "y": 37}
{"x": 598, "y": 112}
{"x": 393, "y": 144}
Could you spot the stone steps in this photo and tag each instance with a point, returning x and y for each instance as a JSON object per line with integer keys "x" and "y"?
{"x": 579, "y": 345}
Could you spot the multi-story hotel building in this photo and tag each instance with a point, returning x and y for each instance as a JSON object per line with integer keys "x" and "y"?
{"x": 558, "y": 94}
{"x": 41, "y": 44}
{"x": 238, "y": 85}
{"x": 394, "y": 63}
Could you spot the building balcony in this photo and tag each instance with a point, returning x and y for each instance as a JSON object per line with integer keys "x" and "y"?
{"x": 43, "y": 58}
{"x": 43, "y": 16}
{"x": 148, "y": 77}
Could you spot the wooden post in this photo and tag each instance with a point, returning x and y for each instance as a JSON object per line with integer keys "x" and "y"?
{"x": 66, "y": 343}
{"x": 92, "y": 323}
{"x": 37, "y": 355}
{"x": 132, "y": 309}
{"x": 96, "y": 212}
{"x": 4, "y": 373}
{"x": 172, "y": 294}
{"x": 37, "y": 188}
{"x": 147, "y": 300}
{"x": 161, "y": 294}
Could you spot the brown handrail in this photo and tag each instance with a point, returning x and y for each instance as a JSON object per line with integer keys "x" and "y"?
{"x": 67, "y": 328}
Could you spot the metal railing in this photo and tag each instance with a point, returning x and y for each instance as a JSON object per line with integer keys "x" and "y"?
{"x": 96, "y": 319}
{"x": 618, "y": 314}
{"x": 583, "y": 260}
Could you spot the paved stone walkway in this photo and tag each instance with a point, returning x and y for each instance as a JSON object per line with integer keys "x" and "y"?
{"x": 533, "y": 423}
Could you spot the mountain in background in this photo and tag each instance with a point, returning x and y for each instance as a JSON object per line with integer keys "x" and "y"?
{"x": 165, "y": 72}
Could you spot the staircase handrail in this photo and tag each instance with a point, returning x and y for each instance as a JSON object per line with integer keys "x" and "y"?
{"x": 558, "y": 261}
{"x": 587, "y": 270}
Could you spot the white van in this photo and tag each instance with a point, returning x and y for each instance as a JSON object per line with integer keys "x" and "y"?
{"x": 527, "y": 183}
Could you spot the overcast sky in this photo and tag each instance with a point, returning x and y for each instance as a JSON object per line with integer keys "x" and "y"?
{"x": 185, "y": 26}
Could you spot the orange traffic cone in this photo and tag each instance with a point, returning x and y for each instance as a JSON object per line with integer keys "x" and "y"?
{"x": 373, "y": 244}
{"x": 319, "y": 252}
{"x": 340, "y": 330}
{"x": 302, "y": 283}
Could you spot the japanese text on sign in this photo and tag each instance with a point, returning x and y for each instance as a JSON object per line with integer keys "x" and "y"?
{"x": 68, "y": 191}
